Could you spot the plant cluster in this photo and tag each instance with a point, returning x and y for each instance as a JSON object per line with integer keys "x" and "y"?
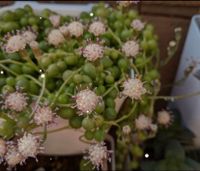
{"x": 75, "y": 68}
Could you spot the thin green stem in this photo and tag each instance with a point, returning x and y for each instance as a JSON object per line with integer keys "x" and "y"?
{"x": 176, "y": 83}
{"x": 63, "y": 85}
{"x": 85, "y": 141}
{"x": 11, "y": 61}
{"x": 64, "y": 105}
{"x": 169, "y": 57}
{"x": 17, "y": 63}
{"x": 109, "y": 90}
{"x": 40, "y": 96}
{"x": 26, "y": 57}
{"x": 37, "y": 82}
{"x": 33, "y": 65}
{"x": 111, "y": 123}
{"x": 146, "y": 61}
{"x": 119, "y": 52}
{"x": 178, "y": 97}
{"x": 54, "y": 130}
{"x": 58, "y": 104}
{"x": 34, "y": 79}
{"x": 9, "y": 70}
{"x": 152, "y": 102}
{"x": 28, "y": 76}
{"x": 115, "y": 36}
{"x": 128, "y": 115}
{"x": 112, "y": 87}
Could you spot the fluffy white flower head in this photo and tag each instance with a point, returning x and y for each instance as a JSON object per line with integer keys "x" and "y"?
{"x": 97, "y": 28}
{"x": 43, "y": 115}
{"x": 133, "y": 88}
{"x": 15, "y": 44}
{"x": 143, "y": 122}
{"x": 93, "y": 52}
{"x": 34, "y": 45}
{"x": 75, "y": 29}
{"x": 130, "y": 48}
{"x": 29, "y": 145}
{"x": 164, "y": 117}
{"x": 29, "y": 36}
{"x": 86, "y": 101}
{"x": 126, "y": 129}
{"x": 55, "y": 37}
{"x": 15, "y": 101}
{"x": 153, "y": 128}
{"x": 64, "y": 30}
{"x": 172, "y": 43}
{"x": 13, "y": 157}
{"x": 55, "y": 20}
{"x": 2, "y": 147}
{"x": 137, "y": 24}
{"x": 97, "y": 154}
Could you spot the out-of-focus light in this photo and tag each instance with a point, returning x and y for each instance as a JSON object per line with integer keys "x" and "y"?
{"x": 42, "y": 75}
{"x": 146, "y": 155}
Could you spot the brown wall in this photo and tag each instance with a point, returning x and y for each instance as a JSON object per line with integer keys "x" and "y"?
{"x": 166, "y": 15}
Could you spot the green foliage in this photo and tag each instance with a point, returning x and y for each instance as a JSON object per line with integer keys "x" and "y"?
{"x": 85, "y": 166}
{"x": 53, "y": 75}
{"x": 168, "y": 150}
{"x": 174, "y": 159}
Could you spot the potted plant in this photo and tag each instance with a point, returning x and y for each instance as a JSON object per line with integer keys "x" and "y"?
{"x": 62, "y": 73}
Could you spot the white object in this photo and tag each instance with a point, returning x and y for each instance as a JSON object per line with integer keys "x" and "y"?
{"x": 190, "y": 107}
{"x": 65, "y": 142}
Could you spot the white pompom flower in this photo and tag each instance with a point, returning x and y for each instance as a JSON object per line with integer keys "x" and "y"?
{"x": 43, "y": 115}
{"x": 64, "y": 30}
{"x": 75, "y": 29}
{"x": 15, "y": 101}
{"x": 29, "y": 145}
{"x": 153, "y": 128}
{"x": 137, "y": 24}
{"x": 133, "y": 88}
{"x": 29, "y": 36}
{"x": 93, "y": 52}
{"x": 98, "y": 154}
{"x": 13, "y": 156}
{"x": 97, "y": 28}
{"x": 86, "y": 101}
{"x": 164, "y": 118}
{"x": 15, "y": 43}
{"x": 126, "y": 129}
{"x": 130, "y": 48}
{"x": 55, "y": 37}
{"x": 55, "y": 20}
{"x": 34, "y": 45}
{"x": 143, "y": 122}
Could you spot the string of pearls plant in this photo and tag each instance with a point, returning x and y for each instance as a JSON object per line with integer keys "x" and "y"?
{"x": 74, "y": 68}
